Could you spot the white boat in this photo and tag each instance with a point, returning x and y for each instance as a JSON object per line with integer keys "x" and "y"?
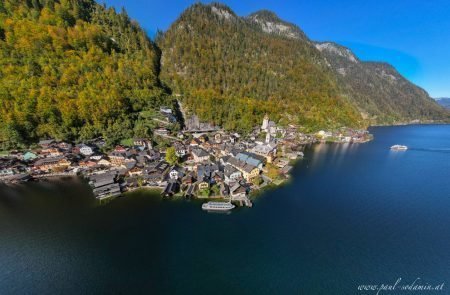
{"x": 398, "y": 147}
{"x": 217, "y": 206}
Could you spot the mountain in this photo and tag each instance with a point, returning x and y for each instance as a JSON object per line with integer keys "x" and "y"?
{"x": 378, "y": 90}
{"x": 230, "y": 70}
{"x": 74, "y": 70}
{"x": 444, "y": 101}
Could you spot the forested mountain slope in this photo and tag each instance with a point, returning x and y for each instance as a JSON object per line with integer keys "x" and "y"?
{"x": 231, "y": 71}
{"x": 73, "y": 70}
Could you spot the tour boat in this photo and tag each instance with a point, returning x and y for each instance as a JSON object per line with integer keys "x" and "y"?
{"x": 217, "y": 206}
{"x": 398, "y": 147}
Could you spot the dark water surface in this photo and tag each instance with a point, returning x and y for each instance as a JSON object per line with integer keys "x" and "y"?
{"x": 353, "y": 214}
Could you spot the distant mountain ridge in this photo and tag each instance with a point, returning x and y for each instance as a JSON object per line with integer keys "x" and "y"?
{"x": 261, "y": 56}
{"x": 381, "y": 93}
{"x": 444, "y": 101}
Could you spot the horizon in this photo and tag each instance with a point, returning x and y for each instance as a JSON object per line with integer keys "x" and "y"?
{"x": 416, "y": 47}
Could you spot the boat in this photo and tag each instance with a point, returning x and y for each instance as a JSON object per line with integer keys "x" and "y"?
{"x": 398, "y": 147}
{"x": 217, "y": 206}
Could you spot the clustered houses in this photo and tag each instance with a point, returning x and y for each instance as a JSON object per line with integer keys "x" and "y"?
{"x": 344, "y": 135}
{"x": 210, "y": 165}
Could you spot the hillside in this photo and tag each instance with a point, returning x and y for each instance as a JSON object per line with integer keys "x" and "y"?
{"x": 232, "y": 70}
{"x": 378, "y": 90}
{"x": 73, "y": 70}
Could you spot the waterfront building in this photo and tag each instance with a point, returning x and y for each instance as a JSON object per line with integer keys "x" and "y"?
{"x": 52, "y": 163}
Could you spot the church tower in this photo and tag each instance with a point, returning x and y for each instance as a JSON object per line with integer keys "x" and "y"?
{"x": 265, "y": 124}
{"x": 268, "y": 137}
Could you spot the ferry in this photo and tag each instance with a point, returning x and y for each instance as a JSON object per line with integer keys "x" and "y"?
{"x": 217, "y": 206}
{"x": 398, "y": 147}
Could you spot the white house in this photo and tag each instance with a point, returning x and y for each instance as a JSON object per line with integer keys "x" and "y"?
{"x": 86, "y": 150}
{"x": 180, "y": 149}
{"x": 231, "y": 174}
{"x": 176, "y": 173}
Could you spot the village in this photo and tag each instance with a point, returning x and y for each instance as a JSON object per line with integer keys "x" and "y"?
{"x": 199, "y": 162}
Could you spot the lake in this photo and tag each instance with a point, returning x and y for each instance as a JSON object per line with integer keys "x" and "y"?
{"x": 353, "y": 214}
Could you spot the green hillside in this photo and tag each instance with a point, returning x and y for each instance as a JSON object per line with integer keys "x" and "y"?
{"x": 231, "y": 72}
{"x": 73, "y": 70}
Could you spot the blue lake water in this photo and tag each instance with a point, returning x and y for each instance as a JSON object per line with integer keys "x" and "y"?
{"x": 352, "y": 215}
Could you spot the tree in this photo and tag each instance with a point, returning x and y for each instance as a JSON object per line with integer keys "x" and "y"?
{"x": 257, "y": 180}
{"x": 171, "y": 156}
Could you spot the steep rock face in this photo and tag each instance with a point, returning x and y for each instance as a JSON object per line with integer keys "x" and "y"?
{"x": 232, "y": 70}
{"x": 378, "y": 90}
{"x": 272, "y": 24}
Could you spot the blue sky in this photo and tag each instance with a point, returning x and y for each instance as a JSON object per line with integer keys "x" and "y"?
{"x": 412, "y": 35}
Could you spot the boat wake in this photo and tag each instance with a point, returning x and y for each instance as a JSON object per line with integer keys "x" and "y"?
{"x": 436, "y": 150}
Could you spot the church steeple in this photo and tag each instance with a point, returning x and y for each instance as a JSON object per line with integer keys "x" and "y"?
{"x": 265, "y": 124}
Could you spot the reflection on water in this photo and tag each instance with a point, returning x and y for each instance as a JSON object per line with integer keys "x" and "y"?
{"x": 338, "y": 153}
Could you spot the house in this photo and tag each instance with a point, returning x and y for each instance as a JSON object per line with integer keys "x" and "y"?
{"x": 140, "y": 142}
{"x": 237, "y": 192}
{"x": 218, "y": 138}
{"x": 104, "y": 185}
{"x": 135, "y": 171}
{"x": 171, "y": 188}
{"x": 251, "y": 159}
{"x": 51, "y": 152}
{"x": 117, "y": 158}
{"x": 189, "y": 191}
{"x": 203, "y": 138}
{"x": 129, "y": 163}
{"x": 29, "y": 156}
{"x": 189, "y": 179}
{"x": 153, "y": 177}
{"x": 206, "y": 170}
{"x": 176, "y": 172}
{"x": 202, "y": 184}
{"x": 248, "y": 171}
{"x": 165, "y": 110}
{"x": 200, "y": 155}
{"x": 231, "y": 174}
{"x": 65, "y": 146}
{"x": 52, "y": 163}
{"x": 104, "y": 162}
{"x": 162, "y": 132}
{"x": 281, "y": 162}
{"x": 153, "y": 155}
{"x": 268, "y": 151}
{"x": 218, "y": 177}
{"x": 120, "y": 149}
{"x": 87, "y": 164}
{"x": 180, "y": 149}
{"x": 162, "y": 167}
{"x": 6, "y": 171}
{"x": 46, "y": 143}
{"x": 86, "y": 150}
{"x": 224, "y": 189}
{"x": 194, "y": 142}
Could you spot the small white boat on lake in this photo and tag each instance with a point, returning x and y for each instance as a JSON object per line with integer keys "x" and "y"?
{"x": 398, "y": 147}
